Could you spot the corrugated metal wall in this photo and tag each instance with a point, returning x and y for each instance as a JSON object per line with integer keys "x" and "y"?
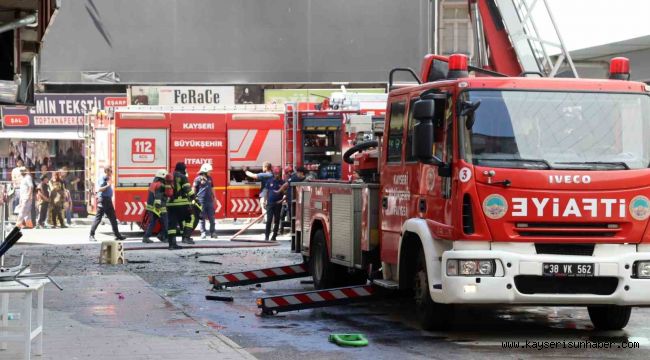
{"x": 233, "y": 41}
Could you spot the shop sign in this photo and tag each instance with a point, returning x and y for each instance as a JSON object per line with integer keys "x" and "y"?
{"x": 181, "y": 95}
{"x": 282, "y": 96}
{"x": 16, "y": 120}
{"x": 58, "y": 110}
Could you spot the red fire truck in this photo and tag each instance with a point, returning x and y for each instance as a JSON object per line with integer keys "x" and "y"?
{"x": 139, "y": 140}
{"x": 150, "y": 138}
{"x": 491, "y": 190}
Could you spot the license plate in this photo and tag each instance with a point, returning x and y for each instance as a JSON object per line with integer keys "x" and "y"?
{"x": 568, "y": 269}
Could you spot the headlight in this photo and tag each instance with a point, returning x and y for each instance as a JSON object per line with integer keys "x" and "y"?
{"x": 485, "y": 267}
{"x": 643, "y": 269}
{"x": 468, "y": 267}
{"x": 471, "y": 267}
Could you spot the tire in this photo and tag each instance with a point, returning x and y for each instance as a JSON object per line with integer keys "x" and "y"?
{"x": 431, "y": 315}
{"x": 322, "y": 270}
{"x": 609, "y": 317}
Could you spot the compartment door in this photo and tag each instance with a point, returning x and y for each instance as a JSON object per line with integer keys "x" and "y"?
{"x": 140, "y": 153}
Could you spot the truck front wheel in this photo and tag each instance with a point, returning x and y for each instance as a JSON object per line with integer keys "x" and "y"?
{"x": 322, "y": 270}
{"x": 609, "y": 317}
{"x": 432, "y": 316}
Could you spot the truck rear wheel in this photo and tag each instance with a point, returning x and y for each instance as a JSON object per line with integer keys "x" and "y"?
{"x": 609, "y": 317}
{"x": 431, "y": 315}
{"x": 322, "y": 270}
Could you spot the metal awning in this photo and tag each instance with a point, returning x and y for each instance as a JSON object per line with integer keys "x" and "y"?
{"x": 41, "y": 135}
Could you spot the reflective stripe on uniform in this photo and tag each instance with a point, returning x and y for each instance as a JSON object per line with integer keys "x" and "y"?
{"x": 190, "y": 224}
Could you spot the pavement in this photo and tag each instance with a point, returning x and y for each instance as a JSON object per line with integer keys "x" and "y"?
{"x": 107, "y": 312}
{"x": 120, "y": 317}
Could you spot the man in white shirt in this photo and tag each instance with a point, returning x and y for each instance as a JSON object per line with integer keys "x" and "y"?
{"x": 26, "y": 198}
{"x": 16, "y": 179}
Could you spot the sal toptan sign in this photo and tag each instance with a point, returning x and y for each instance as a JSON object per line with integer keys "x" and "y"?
{"x": 58, "y": 110}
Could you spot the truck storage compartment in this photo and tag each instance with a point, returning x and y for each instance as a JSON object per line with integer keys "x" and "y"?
{"x": 352, "y": 212}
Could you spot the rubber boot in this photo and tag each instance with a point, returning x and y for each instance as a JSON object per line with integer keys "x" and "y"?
{"x": 172, "y": 243}
{"x": 187, "y": 239}
{"x": 161, "y": 237}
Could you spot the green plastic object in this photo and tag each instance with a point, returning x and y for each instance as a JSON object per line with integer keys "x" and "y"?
{"x": 356, "y": 340}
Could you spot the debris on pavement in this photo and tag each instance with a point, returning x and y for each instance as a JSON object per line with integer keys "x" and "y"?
{"x": 354, "y": 340}
{"x": 210, "y": 262}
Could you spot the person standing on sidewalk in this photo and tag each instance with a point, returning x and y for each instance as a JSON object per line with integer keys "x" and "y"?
{"x": 26, "y": 199}
{"x": 274, "y": 204}
{"x": 42, "y": 200}
{"x": 16, "y": 179}
{"x": 70, "y": 181}
{"x": 265, "y": 176}
{"x": 179, "y": 211}
{"x": 57, "y": 200}
{"x": 203, "y": 187}
{"x": 105, "y": 205}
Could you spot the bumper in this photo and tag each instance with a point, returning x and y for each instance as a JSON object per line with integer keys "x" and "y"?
{"x": 612, "y": 279}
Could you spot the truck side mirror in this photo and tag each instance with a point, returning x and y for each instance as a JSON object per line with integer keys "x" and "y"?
{"x": 424, "y": 113}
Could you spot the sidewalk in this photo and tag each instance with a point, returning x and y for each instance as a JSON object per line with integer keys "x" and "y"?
{"x": 78, "y": 235}
{"x": 119, "y": 316}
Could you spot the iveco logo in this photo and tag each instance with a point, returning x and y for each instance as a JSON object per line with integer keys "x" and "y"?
{"x": 569, "y": 179}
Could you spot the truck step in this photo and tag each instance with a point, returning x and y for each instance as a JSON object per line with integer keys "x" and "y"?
{"x": 314, "y": 299}
{"x": 259, "y": 276}
{"x": 388, "y": 284}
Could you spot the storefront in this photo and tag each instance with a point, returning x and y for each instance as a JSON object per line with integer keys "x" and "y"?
{"x": 52, "y": 133}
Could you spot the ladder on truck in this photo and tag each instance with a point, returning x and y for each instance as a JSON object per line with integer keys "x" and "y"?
{"x": 89, "y": 160}
{"x": 290, "y": 133}
{"x": 290, "y": 157}
{"x": 534, "y": 36}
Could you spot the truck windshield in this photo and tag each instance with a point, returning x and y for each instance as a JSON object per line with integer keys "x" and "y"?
{"x": 557, "y": 130}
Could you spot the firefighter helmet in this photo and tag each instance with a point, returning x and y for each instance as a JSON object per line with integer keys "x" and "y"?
{"x": 161, "y": 174}
{"x": 180, "y": 167}
{"x": 205, "y": 168}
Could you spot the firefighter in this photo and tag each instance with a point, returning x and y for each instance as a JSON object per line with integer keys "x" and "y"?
{"x": 157, "y": 206}
{"x": 265, "y": 176}
{"x": 275, "y": 196}
{"x": 169, "y": 192}
{"x": 296, "y": 176}
{"x": 179, "y": 211}
{"x": 205, "y": 195}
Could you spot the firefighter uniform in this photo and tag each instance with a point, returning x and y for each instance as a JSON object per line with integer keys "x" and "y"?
{"x": 157, "y": 205}
{"x": 203, "y": 188}
{"x": 179, "y": 210}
